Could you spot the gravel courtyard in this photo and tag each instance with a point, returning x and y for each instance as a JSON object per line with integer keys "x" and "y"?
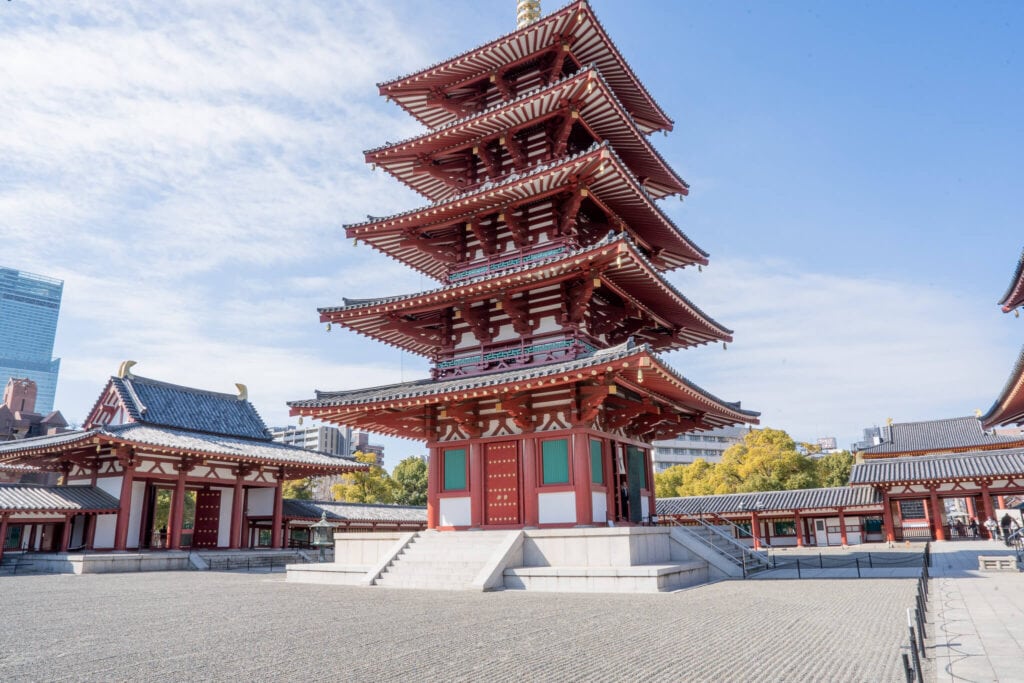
{"x": 241, "y": 627}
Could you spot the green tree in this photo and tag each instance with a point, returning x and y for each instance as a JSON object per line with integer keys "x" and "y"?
{"x": 834, "y": 468}
{"x": 410, "y": 478}
{"x": 667, "y": 483}
{"x": 301, "y": 489}
{"x": 372, "y": 485}
{"x": 770, "y": 461}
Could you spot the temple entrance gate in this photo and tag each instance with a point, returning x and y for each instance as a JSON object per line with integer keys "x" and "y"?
{"x": 501, "y": 473}
{"x": 207, "y": 519}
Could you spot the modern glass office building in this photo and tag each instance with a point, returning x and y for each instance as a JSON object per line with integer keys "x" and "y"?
{"x": 29, "y": 305}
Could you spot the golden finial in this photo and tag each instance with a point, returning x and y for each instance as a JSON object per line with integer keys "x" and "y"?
{"x": 125, "y": 370}
{"x": 527, "y": 12}
{"x": 243, "y": 392}
{"x": 977, "y": 412}
{"x": 888, "y": 421}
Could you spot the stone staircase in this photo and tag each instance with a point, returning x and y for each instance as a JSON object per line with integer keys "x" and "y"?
{"x": 448, "y": 560}
{"x": 730, "y": 549}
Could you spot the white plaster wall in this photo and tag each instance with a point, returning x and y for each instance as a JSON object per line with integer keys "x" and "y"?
{"x": 106, "y": 525}
{"x": 506, "y": 333}
{"x": 80, "y": 482}
{"x": 557, "y": 508}
{"x": 599, "y": 503}
{"x": 135, "y": 518}
{"x": 261, "y": 502}
{"x": 455, "y": 512}
{"x": 547, "y": 324}
{"x": 227, "y": 496}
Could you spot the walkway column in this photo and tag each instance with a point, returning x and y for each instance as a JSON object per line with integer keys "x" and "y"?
{"x": 940, "y": 533}
{"x": 476, "y": 484}
{"x": 798, "y": 528}
{"x": 986, "y": 504}
{"x": 582, "y": 478}
{"x": 3, "y": 534}
{"x": 755, "y": 530}
{"x": 970, "y": 507}
{"x": 235, "y": 539}
{"x": 842, "y": 527}
{"x": 433, "y": 486}
{"x": 124, "y": 511}
{"x": 1002, "y": 502}
{"x": 890, "y": 535}
{"x": 65, "y": 538}
{"x": 531, "y": 513}
{"x": 275, "y": 523}
{"x": 177, "y": 508}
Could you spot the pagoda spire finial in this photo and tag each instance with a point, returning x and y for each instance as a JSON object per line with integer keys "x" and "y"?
{"x": 527, "y": 12}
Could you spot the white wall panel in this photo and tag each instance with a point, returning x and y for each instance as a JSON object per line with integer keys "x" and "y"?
{"x": 557, "y": 508}
{"x": 455, "y": 512}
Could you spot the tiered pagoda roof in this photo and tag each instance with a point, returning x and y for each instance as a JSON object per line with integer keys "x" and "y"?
{"x": 584, "y": 95}
{"x": 431, "y": 95}
{"x": 1014, "y": 296}
{"x": 1009, "y": 406}
{"x": 623, "y": 272}
{"x": 419, "y": 236}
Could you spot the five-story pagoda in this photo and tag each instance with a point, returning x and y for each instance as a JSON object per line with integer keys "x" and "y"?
{"x": 546, "y": 236}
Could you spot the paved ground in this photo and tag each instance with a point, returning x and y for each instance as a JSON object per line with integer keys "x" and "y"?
{"x": 221, "y": 626}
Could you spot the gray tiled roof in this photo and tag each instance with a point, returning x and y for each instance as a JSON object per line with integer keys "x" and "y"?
{"x": 771, "y": 501}
{"x": 936, "y": 435}
{"x": 172, "y": 405}
{"x": 352, "y": 512}
{"x": 949, "y": 466}
{"x": 28, "y": 498}
{"x": 235, "y": 448}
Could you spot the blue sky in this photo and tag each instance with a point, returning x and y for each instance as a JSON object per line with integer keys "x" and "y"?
{"x": 186, "y": 168}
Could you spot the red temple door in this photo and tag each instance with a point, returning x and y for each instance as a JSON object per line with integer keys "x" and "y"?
{"x": 501, "y": 472}
{"x": 204, "y": 534}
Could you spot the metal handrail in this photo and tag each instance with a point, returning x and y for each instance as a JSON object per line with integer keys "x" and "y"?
{"x": 737, "y": 527}
{"x": 747, "y": 552}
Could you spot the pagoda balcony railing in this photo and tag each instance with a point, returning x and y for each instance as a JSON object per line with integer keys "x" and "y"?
{"x": 509, "y": 260}
{"x": 534, "y": 351}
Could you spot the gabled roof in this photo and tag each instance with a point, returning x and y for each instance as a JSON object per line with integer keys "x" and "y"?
{"x": 635, "y": 367}
{"x": 1014, "y": 296}
{"x": 944, "y": 467}
{"x": 771, "y": 501}
{"x": 152, "y": 402}
{"x": 164, "y": 439}
{"x": 294, "y": 508}
{"x": 575, "y": 23}
{"x": 598, "y": 107}
{"x": 958, "y": 433}
{"x": 1009, "y": 407}
{"x": 30, "y": 498}
{"x": 599, "y": 169}
{"x": 614, "y": 260}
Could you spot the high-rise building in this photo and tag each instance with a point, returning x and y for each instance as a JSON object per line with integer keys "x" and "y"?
{"x": 328, "y": 440}
{"x": 689, "y": 446}
{"x": 29, "y": 305}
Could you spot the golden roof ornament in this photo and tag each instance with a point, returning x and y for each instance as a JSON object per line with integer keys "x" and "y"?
{"x": 527, "y": 12}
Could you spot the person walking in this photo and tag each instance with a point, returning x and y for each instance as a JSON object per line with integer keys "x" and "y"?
{"x": 1005, "y": 523}
{"x": 992, "y": 526}
{"x": 974, "y": 527}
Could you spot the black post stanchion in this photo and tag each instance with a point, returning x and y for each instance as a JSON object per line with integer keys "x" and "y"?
{"x": 913, "y": 648}
{"x": 857, "y": 560}
{"x": 820, "y": 563}
{"x": 921, "y": 635}
{"x": 908, "y": 671}
{"x": 798, "y": 568}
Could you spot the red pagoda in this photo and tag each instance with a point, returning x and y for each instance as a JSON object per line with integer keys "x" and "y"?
{"x": 1008, "y": 409}
{"x": 545, "y": 234}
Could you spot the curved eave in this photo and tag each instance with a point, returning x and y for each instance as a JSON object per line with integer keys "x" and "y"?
{"x": 1009, "y": 407}
{"x": 1014, "y": 296}
{"x": 575, "y": 22}
{"x": 638, "y": 369}
{"x": 600, "y": 169}
{"x": 598, "y": 109}
{"x": 618, "y": 264}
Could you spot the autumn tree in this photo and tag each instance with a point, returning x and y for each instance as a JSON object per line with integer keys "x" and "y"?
{"x": 410, "y": 478}
{"x": 298, "y": 488}
{"x": 372, "y": 485}
{"x": 834, "y": 468}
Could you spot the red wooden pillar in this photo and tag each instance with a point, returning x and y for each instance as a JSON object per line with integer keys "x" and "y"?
{"x": 124, "y": 509}
{"x": 798, "y": 526}
{"x": 275, "y": 523}
{"x": 433, "y": 486}
{"x": 65, "y": 538}
{"x": 842, "y": 527}
{"x": 531, "y": 512}
{"x": 476, "y": 484}
{"x": 940, "y": 533}
{"x": 177, "y": 511}
{"x": 235, "y": 539}
{"x": 970, "y": 507}
{"x": 1002, "y": 502}
{"x": 582, "y": 479}
{"x": 986, "y": 504}
{"x": 3, "y": 534}
{"x": 887, "y": 521}
{"x": 755, "y": 530}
